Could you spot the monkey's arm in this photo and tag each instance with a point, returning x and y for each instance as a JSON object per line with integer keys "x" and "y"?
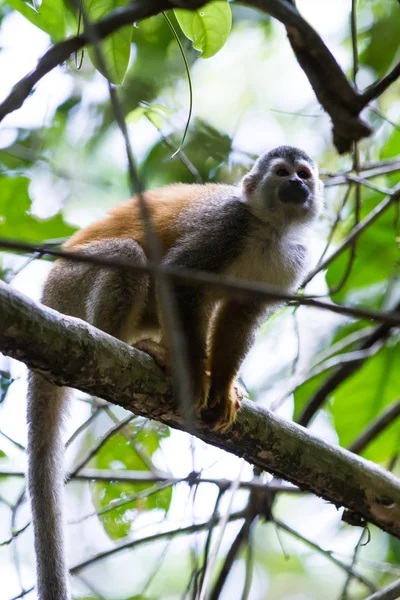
{"x": 232, "y": 336}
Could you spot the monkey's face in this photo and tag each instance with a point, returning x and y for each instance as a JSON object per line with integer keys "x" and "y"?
{"x": 284, "y": 190}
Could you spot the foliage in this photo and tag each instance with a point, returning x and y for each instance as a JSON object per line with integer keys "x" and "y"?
{"x": 207, "y": 27}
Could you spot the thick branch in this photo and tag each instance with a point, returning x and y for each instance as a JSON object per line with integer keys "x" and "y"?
{"x": 71, "y": 352}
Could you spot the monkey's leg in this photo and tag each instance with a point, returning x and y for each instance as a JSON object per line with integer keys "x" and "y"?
{"x": 117, "y": 297}
{"x": 193, "y": 313}
{"x": 232, "y": 336}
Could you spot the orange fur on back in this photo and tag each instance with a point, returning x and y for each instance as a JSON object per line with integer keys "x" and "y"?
{"x": 125, "y": 220}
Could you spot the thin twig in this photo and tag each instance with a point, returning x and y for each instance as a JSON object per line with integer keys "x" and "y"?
{"x": 344, "y": 594}
{"x": 328, "y": 554}
{"x": 190, "y": 529}
{"x": 224, "y": 519}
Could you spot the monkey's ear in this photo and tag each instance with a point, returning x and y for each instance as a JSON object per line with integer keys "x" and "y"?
{"x": 249, "y": 182}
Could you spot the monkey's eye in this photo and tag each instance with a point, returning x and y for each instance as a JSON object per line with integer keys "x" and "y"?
{"x": 303, "y": 174}
{"x": 282, "y": 172}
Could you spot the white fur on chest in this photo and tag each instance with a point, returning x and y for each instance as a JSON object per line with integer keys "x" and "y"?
{"x": 280, "y": 261}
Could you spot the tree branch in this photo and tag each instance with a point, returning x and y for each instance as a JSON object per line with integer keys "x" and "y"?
{"x": 331, "y": 86}
{"x": 70, "y": 352}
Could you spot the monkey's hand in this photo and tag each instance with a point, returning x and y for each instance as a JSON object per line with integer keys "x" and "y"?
{"x": 201, "y": 382}
{"x": 223, "y": 404}
{"x": 158, "y": 352}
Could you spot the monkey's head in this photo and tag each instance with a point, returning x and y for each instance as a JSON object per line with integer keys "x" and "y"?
{"x": 284, "y": 186}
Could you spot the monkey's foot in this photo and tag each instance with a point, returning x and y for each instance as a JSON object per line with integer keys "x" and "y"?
{"x": 158, "y": 352}
{"x": 222, "y": 406}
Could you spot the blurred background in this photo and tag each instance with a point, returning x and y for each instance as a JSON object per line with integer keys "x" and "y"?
{"x": 63, "y": 164}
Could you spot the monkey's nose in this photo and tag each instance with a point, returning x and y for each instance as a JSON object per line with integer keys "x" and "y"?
{"x": 293, "y": 190}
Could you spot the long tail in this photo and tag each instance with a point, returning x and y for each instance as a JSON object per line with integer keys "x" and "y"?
{"x": 47, "y": 407}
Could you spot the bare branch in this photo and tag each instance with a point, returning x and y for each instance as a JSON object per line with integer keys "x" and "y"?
{"x": 70, "y": 352}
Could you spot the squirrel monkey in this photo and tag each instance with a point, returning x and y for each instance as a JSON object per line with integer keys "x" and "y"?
{"x": 256, "y": 230}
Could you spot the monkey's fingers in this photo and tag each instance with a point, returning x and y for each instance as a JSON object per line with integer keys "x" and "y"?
{"x": 158, "y": 352}
{"x": 201, "y": 380}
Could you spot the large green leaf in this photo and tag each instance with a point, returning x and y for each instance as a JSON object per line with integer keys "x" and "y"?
{"x": 15, "y": 220}
{"x": 392, "y": 147}
{"x": 208, "y": 27}
{"x": 119, "y": 450}
{"x": 50, "y": 16}
{"x": 116, "y": 48}
{"x": 362, "y": 397}
{"x": 376, "y": 260}
{"x": 306, "y": 390}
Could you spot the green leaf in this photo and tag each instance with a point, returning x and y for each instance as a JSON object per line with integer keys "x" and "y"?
{"x": 362, "y": 398}
{"x": 50, "y": 16}
{"x": 208, "y": 27}
{"x": 15, "y": 220}
{"x": 116, "y": 48}
{"x": 119, "y": 451}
